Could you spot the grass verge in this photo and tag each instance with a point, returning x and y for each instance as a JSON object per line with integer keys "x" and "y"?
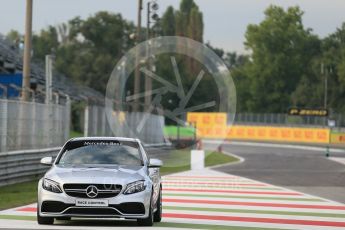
{"x": 18, "y": 194}
{"x": 179, "y": 160}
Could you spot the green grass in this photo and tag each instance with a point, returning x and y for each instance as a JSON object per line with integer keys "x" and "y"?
{"x": 73, "y": 133}
{"x": 216, "y": 158}
{"x": 185, "y": 132}
{"x": 179, "y": 160}
{"x": 18, "y": 194}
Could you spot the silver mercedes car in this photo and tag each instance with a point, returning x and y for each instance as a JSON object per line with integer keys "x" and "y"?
{"x": 101, "y": 177}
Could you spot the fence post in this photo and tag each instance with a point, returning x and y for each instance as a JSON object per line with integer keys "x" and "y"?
{"x": 33, "y": 116}
{"x": 3, "y": 130}
{"x": 86, "y": 121}
{"x": 20, "y": 128}
{"x": 68, "y": 117}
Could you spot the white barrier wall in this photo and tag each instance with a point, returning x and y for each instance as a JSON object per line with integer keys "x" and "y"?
{"x": 197, "y": 159}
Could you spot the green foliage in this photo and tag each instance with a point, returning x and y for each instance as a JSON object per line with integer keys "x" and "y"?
{"x": 282, "y": 68}
{"x": 46, "y": 42}
{"x": 86, "y": 50}
{"x": 333, "y": 58}
{"x": 168, "y": 23}
{"x": 281, "y": 53}
{"x": 14, "y": 36}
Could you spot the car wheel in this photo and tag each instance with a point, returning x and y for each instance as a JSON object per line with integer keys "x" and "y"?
{"x": 149, "y": 220}
{"x": 157, "y": 217}
{"x": 44, "y": 220}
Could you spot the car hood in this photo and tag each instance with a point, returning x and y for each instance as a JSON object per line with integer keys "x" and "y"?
{"x": 96, "y": 175}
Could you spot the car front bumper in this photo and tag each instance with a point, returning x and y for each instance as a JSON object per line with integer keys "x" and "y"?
{"x": 132, "y": 206}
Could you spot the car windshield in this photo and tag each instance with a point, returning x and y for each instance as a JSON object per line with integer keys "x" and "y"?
{"x": 101, "y": 152}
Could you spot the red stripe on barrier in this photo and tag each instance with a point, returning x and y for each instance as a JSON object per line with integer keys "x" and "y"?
{"x": 332, "y": 207}
{"x": 212, "y": 183}
{"x": 256, "y": 220}
{"x": 232, "y": 191}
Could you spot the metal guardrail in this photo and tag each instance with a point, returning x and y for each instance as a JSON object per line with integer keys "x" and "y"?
{"x": 20, "y": 166}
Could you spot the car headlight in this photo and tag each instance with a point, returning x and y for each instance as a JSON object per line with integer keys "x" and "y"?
{"x": 51, "y": 186}
{"x": 135, "y": 187}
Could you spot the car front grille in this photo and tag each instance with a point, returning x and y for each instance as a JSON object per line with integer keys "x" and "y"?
{"x": 91, "y": 211}
{"x": 103, "y": 190}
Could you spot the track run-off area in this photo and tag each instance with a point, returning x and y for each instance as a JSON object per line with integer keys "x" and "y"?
{"x": 209, "y": 199}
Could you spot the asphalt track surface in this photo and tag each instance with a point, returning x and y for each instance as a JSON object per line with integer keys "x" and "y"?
{"x": 306, "y": 170}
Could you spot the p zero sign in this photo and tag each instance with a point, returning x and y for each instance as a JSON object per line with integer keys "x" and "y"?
{"x": 308, "y": 112}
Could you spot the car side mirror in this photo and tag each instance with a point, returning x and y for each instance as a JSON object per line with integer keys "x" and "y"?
{"x": 47, "y": 161}
{"x": 155, "y": 163}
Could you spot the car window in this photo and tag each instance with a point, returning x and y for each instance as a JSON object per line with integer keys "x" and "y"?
{"x": 100, "y": 152}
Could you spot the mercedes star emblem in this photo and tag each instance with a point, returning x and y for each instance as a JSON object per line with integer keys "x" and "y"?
{"x": 91, "y": 191}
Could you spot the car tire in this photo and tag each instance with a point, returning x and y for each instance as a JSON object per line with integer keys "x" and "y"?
{"x": 149, "y": 220}
{"x": 44, "y": 220}
{"x": 157, "y": 217}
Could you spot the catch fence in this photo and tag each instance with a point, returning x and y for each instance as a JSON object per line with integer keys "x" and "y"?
{"x": 30, "y": 125}
{"x": 147, "y": 127}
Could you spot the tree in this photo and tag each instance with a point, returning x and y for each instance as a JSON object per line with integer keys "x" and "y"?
{"x": 14, "y": 36}
{"x": 86, "y": 50}
{"x": 282, "y": 50}
{"x": 189, "y": 21}
{"x": 46, "y": 42}
{"x": 333, "y": 59}
{"x": 168, "y": 24}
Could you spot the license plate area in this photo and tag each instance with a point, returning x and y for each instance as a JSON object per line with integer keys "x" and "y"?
{"x": 91, "y": 203}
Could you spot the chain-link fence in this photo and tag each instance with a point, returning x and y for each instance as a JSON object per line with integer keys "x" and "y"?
{"x": 149, "y": 128}
{"x": 28, "y": 125}
{"x": 280, "y": 119}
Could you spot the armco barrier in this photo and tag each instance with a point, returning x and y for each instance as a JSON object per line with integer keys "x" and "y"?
{"x": 20, "y": 166}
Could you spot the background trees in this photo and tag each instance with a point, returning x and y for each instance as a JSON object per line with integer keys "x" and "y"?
{"x": 288, "y": 64}
{"x": 86, "y": 50}
{"x": 281, "y": 53}
{"x": 283, "y": 66}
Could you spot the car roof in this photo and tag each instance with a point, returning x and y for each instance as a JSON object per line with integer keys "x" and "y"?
{"x": 104, "y": 139}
